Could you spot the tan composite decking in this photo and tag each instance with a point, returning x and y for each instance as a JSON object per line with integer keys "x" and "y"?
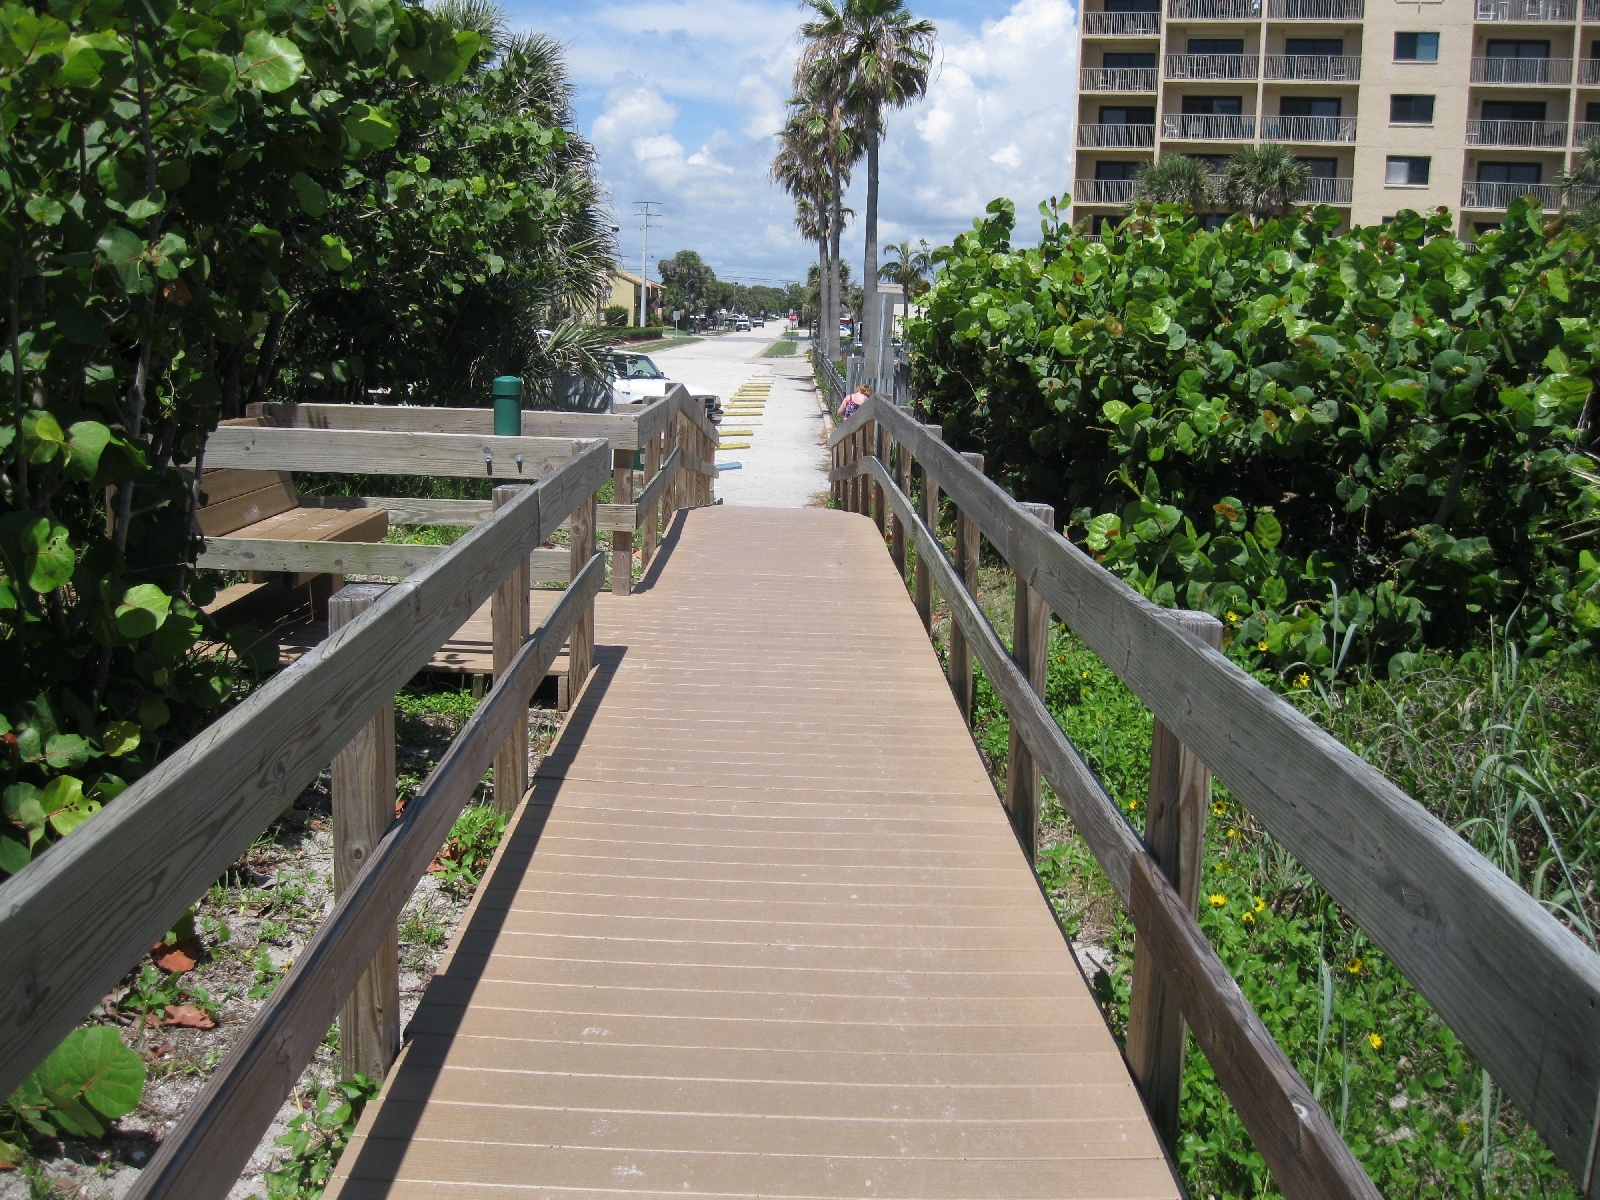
{"x": 761, "y": 927}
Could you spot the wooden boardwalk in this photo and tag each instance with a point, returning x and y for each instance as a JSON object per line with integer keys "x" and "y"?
{"x": 761, "y": 927}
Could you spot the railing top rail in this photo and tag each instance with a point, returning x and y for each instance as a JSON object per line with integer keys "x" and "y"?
{"x": 383, "y": 452}
{"x": 1521, "y": 990}
{"x": 619, "y": 427}
{"x": 139, "y": 862}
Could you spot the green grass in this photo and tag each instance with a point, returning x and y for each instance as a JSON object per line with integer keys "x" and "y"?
{"x": 1503, "y": 751}
{"x": 779, "y": 350}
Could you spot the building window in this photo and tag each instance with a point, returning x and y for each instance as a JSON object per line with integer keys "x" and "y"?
{"x": 1127, "y": 60}
{"x": 1411, "y": 110}
{"x": 1216, "y": 46}
{"x": 1514, "y": 48}
{"x": 1133, "y": 6}
{"x": 1322, "y": 168}
{"x": 1330, "y": 47}
{"x": 1116, "y": 170}
{"x": 1591, "y": 111}
{"x": 1508, "y": 172}
{"x": 1416, "y": 47}
{"x": 1482, "y": 227}
{"x": 1213, "y": 106}
{"x": 1215, "y": 163}
{"x": 1124, "y": 114}
{"x": 1308, "y": 106}
{"x": 1407, "y": 172}
{"x": 1513, "y": 110}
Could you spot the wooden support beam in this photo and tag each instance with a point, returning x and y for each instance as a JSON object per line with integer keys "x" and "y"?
{"x": 966, "y": 563}
{"x": 880, "y": 506}
{"x": 930, "y": 517}
{"x": 580, "y": 654}
{"x": 622, "y": 540}
{"x": 1175, "y": 831}
{"x": 1030, "y": 649}
{"x": 363, "y": 790}
{"x": 508, "y": 623}
{"x": 902, "y": 476}
{"x": 650, "y": 516}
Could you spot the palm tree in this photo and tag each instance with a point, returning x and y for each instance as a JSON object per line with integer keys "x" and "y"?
{"x": 1265, "y": 180}
{"x": 1582, "y": 179}
{"x": 872, "y": 56}
{"x": 1175, "y": 179}
{"x": 907, "y": 267}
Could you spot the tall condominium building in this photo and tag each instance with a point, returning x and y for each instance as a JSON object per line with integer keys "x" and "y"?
{"x": 1392, "y": 103}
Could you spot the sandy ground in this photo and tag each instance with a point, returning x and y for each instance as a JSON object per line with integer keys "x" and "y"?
{"x": 785, "y": 465}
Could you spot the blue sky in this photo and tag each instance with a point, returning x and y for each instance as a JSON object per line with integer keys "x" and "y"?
{"x": 682, "y": 97}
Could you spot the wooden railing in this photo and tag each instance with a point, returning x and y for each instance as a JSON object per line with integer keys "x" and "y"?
{"x": 75, "y": 920}
{"x": 1519, "y": 989}
{"x": 677, "y": 439}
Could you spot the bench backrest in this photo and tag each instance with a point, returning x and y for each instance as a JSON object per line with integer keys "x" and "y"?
{"x": 235, "y": 498}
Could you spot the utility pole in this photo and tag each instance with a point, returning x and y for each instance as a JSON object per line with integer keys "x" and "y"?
{"x": 644, "y": 258}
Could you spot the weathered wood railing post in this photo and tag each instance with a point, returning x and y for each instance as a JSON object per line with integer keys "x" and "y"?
{"x": 669, "y": 499}
{"x": 966, "y": 563}
{"x": 880, "y": 502}
{"x": 509, "y": 626}
{"x": 580, "y": 645}
{"x": 902, "y": 479}
{"x": 1030, "y": 649}
{"x": 652, "y": 522}
{"x": 930, "y": 515}
{"x": 622, "y": 539}
{"x": 363, "y": 807}
{"x": 1175, "y": 831}
{"x": 836, "y": 487}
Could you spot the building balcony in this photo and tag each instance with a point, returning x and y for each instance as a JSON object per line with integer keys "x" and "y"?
{"x": 1103, "y": 191}
{"x": 1194, "y": 127}
{"x": 1117, "y": 137}
{"x": 1528, "y": 12}
{"x": 1315, "y": 68}
{"x": 1591, "y": 10}
{"x": 1339, "y": 190}
{"x": 1110, "y": 24}
{"x": 1214, "y": 10}
{"x": 1308, "y": 129}
{"x": 1522, "y": 70}
{"x": 1319, "y": 10}
{"x": 1517, "y": 133}
{"x": 1585, "y": 132}
{"x": 1213, "y": 66}
{"x": 1117, "y": 79}
{"x": 1589, "y": 69}
{"x": 1500, "y": 195}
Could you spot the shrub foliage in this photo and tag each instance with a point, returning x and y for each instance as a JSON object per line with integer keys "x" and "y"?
{"x": 1346, "y": 446}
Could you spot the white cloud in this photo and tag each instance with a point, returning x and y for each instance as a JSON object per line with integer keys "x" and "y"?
{"x": 694, "y": 90}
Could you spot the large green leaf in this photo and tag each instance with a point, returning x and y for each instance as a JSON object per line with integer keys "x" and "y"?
{"x": 143, "y": 609}
{"x": 89, "y": 1079}
{"x": 272, "y": 64}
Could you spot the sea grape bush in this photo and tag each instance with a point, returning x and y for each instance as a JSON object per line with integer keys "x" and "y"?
{"x": 173, "y": 181}
{"x": 1348, "y": 447}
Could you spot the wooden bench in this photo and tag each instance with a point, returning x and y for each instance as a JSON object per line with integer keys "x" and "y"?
{"x": 263, "y": 504}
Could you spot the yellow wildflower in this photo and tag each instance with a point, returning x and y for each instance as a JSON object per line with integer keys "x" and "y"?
{"x": 1086, "y": 673}
{"x": 1354, "y": 965}
{"x": 1465, "y": 1127}
{"x": 1061, "y": 658}
{"x": 1218, "y": 807}
{"x": 1233, "y": 833}
{"x": 1260, "y": 903}
{"x": 1302, "y": 680}
{"x": 1374, "y": 1041}
{"x": 1218, "y": 900}
{"x": 1132, "y": 804}
{"x": 1261, "y": 646}
{"x": 1248, "y": 918}
{"x": 1233, "y": 617}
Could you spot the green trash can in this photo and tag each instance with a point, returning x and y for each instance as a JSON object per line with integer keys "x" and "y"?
{"x": 508, "y": 406}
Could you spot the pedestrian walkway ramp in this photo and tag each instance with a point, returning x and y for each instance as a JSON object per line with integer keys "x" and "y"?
{"x": 761, "y": 927}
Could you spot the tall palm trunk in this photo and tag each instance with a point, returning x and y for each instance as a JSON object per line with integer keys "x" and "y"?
{"x": 821, "y": 344}
{"x": 869, "y": 276}
{"x": 836, "y": 224}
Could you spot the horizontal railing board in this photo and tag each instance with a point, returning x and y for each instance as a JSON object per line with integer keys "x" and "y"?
{"x": 333, "y": 558}
{"x": 1313, "y": 1161}
{"x": 1521, "y": 990}
{"x": 202, "y": 1157}
{"x": 75, "y": 919}
{"x": 407, "y": 510}
{"x": 387, "y": 453}
{"x": 616, "y": 428}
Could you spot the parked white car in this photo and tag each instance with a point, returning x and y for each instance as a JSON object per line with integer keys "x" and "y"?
{"x": 637, "y": 380}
